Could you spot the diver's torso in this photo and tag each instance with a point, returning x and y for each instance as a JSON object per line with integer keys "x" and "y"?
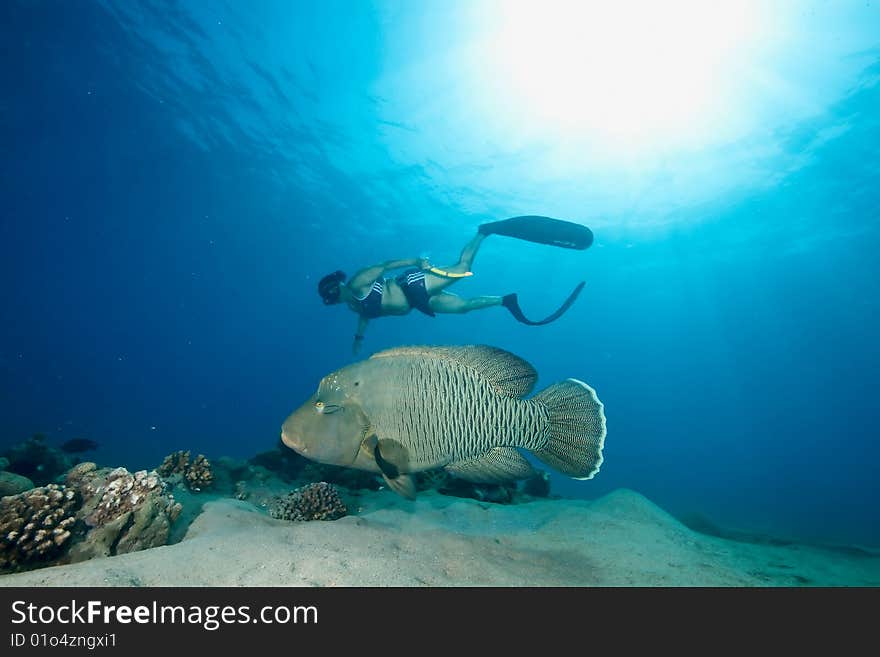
{"x": 394, "y": 301}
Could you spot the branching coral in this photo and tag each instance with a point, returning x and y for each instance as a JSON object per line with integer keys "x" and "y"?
{"x": 199, "y": 475}
{"x": 196, "y": 473}
{"x": 318, "y": 501}
{"x": 175, "y": 463}
{"x": 98, "y": 512}
{"x": 36, "y": 525}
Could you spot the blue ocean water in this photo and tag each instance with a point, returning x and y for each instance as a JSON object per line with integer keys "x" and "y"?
{"x": 177, "y": 176}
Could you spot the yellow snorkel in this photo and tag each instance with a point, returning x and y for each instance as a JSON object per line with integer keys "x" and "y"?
{"x": 448, "y": 274}
{"x": 427, "y": 266}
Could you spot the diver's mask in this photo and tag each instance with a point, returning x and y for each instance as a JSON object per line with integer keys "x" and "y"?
{"x": 329, "y": 287}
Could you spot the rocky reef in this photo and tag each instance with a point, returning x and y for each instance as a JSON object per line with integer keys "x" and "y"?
{"x": 258, "y": 479}
{"x": 537, "y": 486}
{"x": 250, "y": 480}
{"x": 122, "y": 511}
{"x": 37, "y": 460}
{"x": 317, "y": 501}
{"x": 95, "y": 512}
{"x": 70, "y": 512}
{"x": 289, "y": 466}
{"x": 281, "y": 461}
{"x": 13, "y": 484}
{"x": 505, "y": 493}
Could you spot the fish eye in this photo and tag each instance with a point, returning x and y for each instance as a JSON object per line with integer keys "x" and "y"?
{"x": 327, "y": 409}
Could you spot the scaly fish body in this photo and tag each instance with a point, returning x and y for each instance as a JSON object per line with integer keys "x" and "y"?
{"x": 411, "y": 409}
{"x": 443, "y": 411}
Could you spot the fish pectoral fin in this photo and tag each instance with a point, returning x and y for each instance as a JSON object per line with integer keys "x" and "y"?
{"x": 404, "y": 485}
{"x": 370, "y": 441}
{"x": 393, "y": 460}
{"x": 391, "y": 457}
{"x": 498, "y": 465}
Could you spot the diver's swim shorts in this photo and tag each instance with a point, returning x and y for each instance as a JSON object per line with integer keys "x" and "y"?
{"x": 412, "y": 282}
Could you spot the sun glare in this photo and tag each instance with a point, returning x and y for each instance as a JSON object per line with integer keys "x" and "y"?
{"x": 632, "y": 74}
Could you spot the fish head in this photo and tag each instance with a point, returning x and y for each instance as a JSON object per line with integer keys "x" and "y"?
{"x": 330, "y": 426}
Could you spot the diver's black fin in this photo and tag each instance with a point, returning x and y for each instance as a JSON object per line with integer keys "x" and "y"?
{"x": 510, "y": 302}
{"x": 543, "y": 230}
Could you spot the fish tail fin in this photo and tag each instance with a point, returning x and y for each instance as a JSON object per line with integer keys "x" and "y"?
{"x": 576, "y": 432}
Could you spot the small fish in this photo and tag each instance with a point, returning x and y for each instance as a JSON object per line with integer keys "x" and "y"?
{"x": 410, "y": 409}
{"x": 78, "y": 445}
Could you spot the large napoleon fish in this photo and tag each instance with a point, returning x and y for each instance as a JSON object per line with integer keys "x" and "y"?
{"x": 410, "y": 409}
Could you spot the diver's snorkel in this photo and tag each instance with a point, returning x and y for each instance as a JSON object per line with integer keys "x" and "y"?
{"x": 448, "y": 274}
{"x": 443, "y": 272}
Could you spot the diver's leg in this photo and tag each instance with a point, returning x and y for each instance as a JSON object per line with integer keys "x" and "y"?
{"x": 468, "y": 253}
{"x": 435, "y": 283}
{"x": 447, "y": 302}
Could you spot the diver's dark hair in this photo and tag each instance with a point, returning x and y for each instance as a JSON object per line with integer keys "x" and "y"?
{"x": 328, "y": 287}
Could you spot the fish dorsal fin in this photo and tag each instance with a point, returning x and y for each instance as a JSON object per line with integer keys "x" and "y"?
{"x": 498, "y": 465}
{"x": 511, "y": 374}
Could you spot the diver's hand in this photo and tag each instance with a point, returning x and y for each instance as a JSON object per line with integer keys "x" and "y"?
{"x": 424, "y": 263}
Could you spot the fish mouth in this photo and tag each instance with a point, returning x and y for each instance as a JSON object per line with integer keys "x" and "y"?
{"x": 318, "y": 443}
{"x": 293, "y": 440}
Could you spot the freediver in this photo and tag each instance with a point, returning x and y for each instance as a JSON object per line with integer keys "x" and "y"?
{"x": 370, "y": 294}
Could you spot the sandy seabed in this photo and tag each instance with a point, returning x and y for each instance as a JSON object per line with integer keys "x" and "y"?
{"x": 621, "y": 539}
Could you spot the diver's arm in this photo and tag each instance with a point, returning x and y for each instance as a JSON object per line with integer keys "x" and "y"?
{"x": 359, "y": 334}
{"x": 365, "y": 277}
